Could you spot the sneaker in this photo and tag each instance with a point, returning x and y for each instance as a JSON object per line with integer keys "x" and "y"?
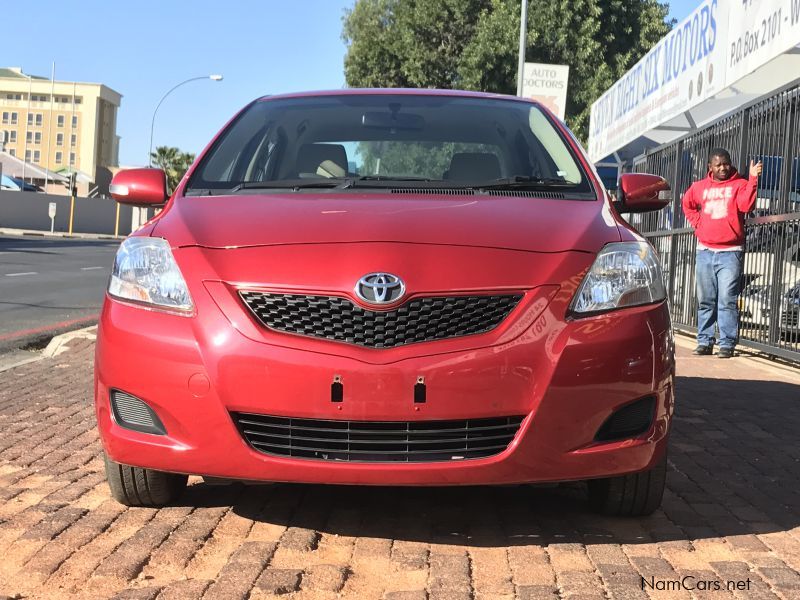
{"x": 725, "y": 353}
{"x": 703, "y": 350}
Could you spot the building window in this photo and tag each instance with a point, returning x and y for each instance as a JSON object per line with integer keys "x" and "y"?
{"x": 29, "y": 137}
{"x": 72, "y": 159}
{"x": 36, "y": 156}
{"x": 38, "y": 119}
{"x": 37, "y": 137}
{"x": 60, "y": 121}
{"x": 12, "y": 137}
{"x": 74, "y": 120}
{"x": 73, "y": 140}
{"x": 59, "y": 158}
{"x": 59, "y": 139}
{"x": 27, "y": 155}
{"x": 13, "y": 96}
{"x": 30, "y": 119}
{"x": 13, "y": 118}
{"x": 5, "y": 117}
{"x": 3, "y": 137}
{"x": 12, "y": 152}
{"x": 78, "y": 99}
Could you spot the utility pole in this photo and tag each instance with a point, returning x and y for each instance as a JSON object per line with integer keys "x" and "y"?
{"x": 523, "y": 30}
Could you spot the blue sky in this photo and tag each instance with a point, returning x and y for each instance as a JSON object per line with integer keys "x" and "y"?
{"x": 141, "y": 49}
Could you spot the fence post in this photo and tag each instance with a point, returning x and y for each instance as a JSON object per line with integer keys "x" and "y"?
{"x": 781, "y": 238}
{"x": 676, "y": 207}
{"x": 744, "y": 140}
{"x": 71, "y": 211}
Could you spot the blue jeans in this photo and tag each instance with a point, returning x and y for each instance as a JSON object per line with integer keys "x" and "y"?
{"x": 718, "y": 279}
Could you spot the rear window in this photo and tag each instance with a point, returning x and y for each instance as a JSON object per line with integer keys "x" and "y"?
{"x": 380, "y": 139}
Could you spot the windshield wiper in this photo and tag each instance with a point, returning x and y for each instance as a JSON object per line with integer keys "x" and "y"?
{"x": 383, "y": 180}
{"x": 526, "y": 182}
{"x": 294, "y": 184}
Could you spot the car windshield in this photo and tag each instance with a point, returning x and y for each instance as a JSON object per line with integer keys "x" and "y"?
{"x": 351, "y": 141}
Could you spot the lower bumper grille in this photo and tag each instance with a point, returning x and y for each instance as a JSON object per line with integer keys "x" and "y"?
{"x": 377, "y": 441}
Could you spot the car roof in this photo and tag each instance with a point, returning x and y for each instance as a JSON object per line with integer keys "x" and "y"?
{"x": 398, "y": 91}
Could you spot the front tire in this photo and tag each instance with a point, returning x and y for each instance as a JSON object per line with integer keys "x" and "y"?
{"x": 635, "y": 495}
{"x": 135, "y": 486}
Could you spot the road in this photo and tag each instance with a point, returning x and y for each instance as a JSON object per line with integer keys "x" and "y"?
{"x": 48, "y": 284}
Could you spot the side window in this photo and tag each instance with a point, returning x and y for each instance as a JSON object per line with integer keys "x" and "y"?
{"x": 556, "y": 149}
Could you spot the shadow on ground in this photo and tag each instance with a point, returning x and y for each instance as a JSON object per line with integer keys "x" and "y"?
{"x": 734, "y": 470}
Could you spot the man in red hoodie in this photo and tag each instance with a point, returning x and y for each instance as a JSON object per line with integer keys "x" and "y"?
{"x": 716, "y": 207}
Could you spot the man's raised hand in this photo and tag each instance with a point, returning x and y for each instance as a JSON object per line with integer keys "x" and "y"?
{"x": 755, "y": 168}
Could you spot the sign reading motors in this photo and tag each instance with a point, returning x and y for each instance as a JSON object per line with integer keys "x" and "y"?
{"x": 718, "y": 44}
{"x": 548, "y": 85}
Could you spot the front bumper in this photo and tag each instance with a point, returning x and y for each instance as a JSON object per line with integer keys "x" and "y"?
{"x": 565, "y": 377}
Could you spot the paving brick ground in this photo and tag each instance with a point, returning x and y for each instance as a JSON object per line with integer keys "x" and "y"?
{"x": 731, "y": 514}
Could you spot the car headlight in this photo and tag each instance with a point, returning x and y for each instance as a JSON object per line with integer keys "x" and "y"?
{"x": 623, "y": 274}
{"x": 145, "y": 271}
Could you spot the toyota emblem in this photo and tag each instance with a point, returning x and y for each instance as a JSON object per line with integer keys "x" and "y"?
{"x": 380, "y": 288}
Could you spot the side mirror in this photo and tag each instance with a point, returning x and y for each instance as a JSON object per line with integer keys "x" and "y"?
{"x": 640, "y": 192}
{"x": 140, "y": 187}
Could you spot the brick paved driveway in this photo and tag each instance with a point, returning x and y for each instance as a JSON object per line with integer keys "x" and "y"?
{"x": 731, "y": 513}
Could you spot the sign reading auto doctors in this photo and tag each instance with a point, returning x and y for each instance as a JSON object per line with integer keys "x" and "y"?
{"x": 683, "y": 69}
{"x": 547, "y": 84}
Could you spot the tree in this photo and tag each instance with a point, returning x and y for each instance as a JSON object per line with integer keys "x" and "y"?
{"x": 472, "y": 44}
{"x": 173, "y": 162}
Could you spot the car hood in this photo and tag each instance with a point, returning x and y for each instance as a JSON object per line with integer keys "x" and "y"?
{"x": 530, "y": 224}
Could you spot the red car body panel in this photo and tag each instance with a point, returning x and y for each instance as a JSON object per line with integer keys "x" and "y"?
{"x": 565, "y": 375}
{"x": 485, "y": 222}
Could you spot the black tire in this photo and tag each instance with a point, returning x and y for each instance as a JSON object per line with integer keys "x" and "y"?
{"x": 135, "y": 486}
{"x": 633, "y": 495}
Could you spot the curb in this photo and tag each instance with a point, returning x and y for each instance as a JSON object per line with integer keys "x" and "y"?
{"x": 31, "y": 337}
{"x": 59, "y": 234}
{"x": 57, "y": 345}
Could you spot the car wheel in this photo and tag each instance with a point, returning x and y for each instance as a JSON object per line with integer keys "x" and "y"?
{"x": 633, "y": 495}
{"x": 135, "y": 486}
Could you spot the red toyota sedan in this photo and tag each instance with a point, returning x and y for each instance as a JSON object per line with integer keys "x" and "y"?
{"x": 388, "y": 287}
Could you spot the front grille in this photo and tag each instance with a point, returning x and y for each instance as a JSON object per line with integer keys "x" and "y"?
{"x": 791, "y": 317}
{"x": 377, "y": 441}
{"x": 418, "y": 320}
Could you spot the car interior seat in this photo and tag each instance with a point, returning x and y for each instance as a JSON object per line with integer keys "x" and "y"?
{"x": 321, "y": 160}
{"x": 473, "y": 166}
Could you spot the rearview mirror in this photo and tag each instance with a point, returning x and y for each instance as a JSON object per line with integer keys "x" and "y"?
{"x": 393, "y": 120}
{"x": 140, "y": 187}
{"x": 641, "y": 192}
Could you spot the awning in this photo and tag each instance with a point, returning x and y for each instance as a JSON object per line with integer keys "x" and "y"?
{"x": 722, "y": 56}
{"x": 13, "y": 167}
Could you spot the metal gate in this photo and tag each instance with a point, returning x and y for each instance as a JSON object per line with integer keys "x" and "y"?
{"x": 770, "y": 301}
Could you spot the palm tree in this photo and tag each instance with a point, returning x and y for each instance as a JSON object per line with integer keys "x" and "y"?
{"x": 173, "y": 162}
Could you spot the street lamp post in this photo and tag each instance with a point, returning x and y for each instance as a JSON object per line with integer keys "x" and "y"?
{"x": 153, "y": 122}
{"x": 523, "y": 29}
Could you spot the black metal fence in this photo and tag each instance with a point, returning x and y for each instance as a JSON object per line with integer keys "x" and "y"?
{"x": 770, "y": 301}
